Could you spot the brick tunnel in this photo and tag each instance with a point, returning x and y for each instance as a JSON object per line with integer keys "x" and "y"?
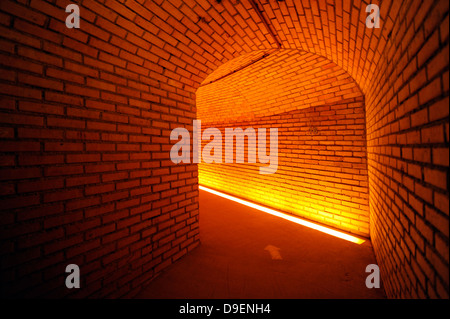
{"x": 86, "y": 174}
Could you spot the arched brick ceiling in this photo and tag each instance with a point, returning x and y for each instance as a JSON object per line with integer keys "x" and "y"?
{"x": 206, "y": 34}
{"x": 236, "y": 64}
{"x": 283, "y": 81}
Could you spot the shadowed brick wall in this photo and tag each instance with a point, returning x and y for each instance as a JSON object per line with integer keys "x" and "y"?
{"x": 86, "y": 176}
{"x": 86, "y": 115}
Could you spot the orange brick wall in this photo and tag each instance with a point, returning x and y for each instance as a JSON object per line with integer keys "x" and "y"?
{"x": 407, "y": 138}
{"x": 319, "y": 113}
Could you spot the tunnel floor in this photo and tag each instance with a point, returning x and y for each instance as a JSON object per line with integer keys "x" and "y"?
{"x": 247, "y": 254}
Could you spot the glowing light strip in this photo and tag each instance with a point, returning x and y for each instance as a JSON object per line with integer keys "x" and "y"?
{"x": 291, "y": 218}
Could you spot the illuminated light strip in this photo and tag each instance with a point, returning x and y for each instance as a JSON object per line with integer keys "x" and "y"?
{"x": 291, "y": 218}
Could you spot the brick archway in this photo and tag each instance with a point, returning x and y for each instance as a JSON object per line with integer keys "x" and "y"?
{"x": 86, "y": 179}
{"x": 321, "y": 175}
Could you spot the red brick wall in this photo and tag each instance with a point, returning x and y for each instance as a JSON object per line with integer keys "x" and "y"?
{"x": 85, "y": 172}
{"x": 319, "y": 113}
{"x": 408, "y": 139}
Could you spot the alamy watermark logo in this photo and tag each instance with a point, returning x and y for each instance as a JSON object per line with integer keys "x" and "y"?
{"x": 373, "y": 280}
{"x": 73, "y": 19}
{"x": 73, "y": 279}
{"x": 373, "y": 19}
{"x": 212, "y": 152}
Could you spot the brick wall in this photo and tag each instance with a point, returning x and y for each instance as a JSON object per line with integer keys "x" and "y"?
{"x": 319, "y": 113}
{"x": 266, "y": 83}
{"x": 408, "y": 138}
{"x": 85, "y": 172}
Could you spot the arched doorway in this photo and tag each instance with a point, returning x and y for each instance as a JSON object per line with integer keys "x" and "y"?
{"x": 318, "y": 111}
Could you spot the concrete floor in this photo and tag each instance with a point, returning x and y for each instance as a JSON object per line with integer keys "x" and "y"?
{"x": 234, "y": 260}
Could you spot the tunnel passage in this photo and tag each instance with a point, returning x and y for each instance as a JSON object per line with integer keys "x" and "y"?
{"x": 318, "y": 111}
{"x": 86, "y": 115}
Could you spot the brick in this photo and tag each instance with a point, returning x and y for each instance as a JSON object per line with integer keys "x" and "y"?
{"x": 63, "y": 170}
{"x": 14, "y": 146}
{"x": 429, "y": 92}
{"x": 82, "y": 158}
{"x": 99, "y": 189}
{"x": 81, "y": 69}
{"x": 435, "y": 177}
{"x": 77, "y": 204}
{"x": 40, "y": 56}
{"x": 23, "y": 12}
{"x": 437, "y": 63}
{"x": 63, "y": 98}
{"x": 63, "y": 244}
{"x": 41, "y": 237}
{"x": 21, "y": 64}
{"x": 41, "y": 108}
{"x": 89, "y": 114}
{"x": 63, "y": 147}
{"x": 24, "y": 92}
{"x": 439, "y": 221}
{"x": 76, "y": 181}
{"x": 19, "y": 173}
{"x": 82, "y": 249}
{"x": 63, "y": 122}
{"x": 40, "y": 159}
{"x": 32, "y": 186}
{"x": 433, "y": 134}
{"x": 81, "y": 90}
{"x": 62, "y": 195}
{"x": 419, "y": 118}
{"x": 439, "y": 110}
{"x": 18, "y": 202}
{"x": 428, "y": 49}
{"x": 440, "y": 156}
{"x": 19, "y": 37}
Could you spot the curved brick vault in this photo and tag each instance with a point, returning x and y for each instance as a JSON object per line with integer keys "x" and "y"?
{"x": 86, "y": 179}
{"x": 283, "y": 81}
